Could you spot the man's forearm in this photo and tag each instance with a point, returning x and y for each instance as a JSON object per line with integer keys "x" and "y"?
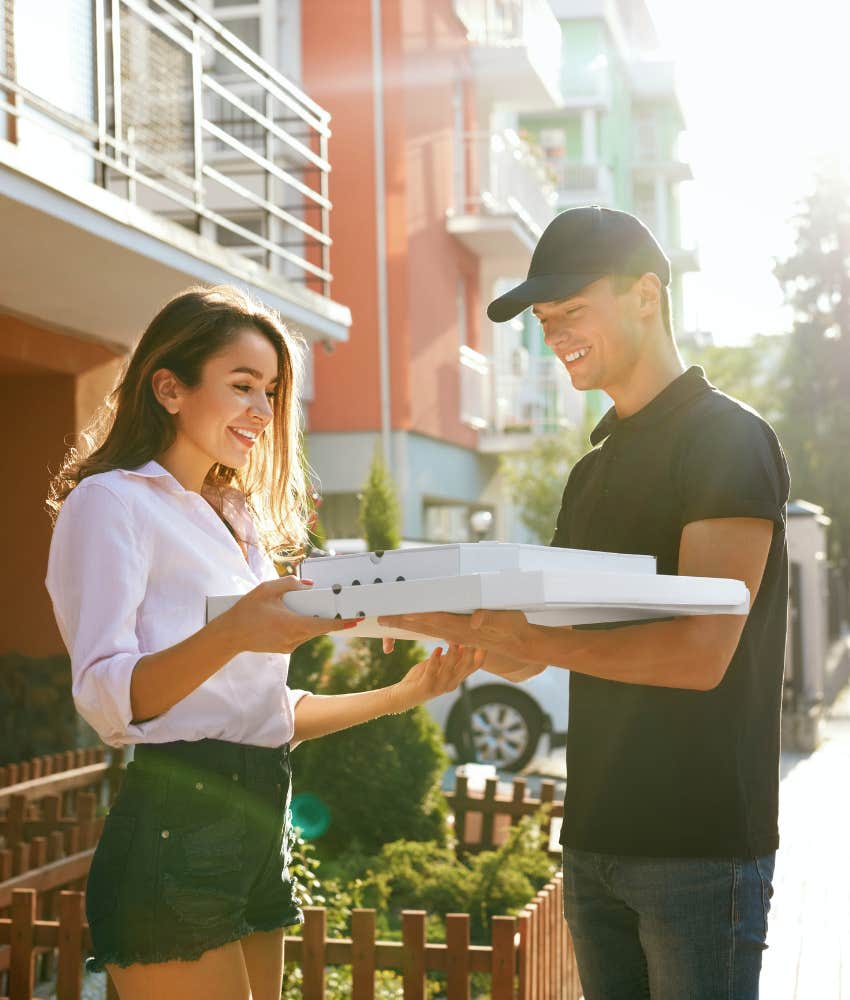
{"x": 690, "y": 652}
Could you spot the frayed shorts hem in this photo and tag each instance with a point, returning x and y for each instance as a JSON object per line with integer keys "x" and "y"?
{"x": 98, "y": 963}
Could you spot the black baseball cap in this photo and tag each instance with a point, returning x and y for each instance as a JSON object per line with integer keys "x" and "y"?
{"x": 580, "y": 246}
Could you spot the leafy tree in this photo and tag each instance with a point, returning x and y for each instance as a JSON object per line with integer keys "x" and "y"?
{"x": 748, "y": 372}
{"x": 535, "y": 480}
{"x": 815, "y": 423}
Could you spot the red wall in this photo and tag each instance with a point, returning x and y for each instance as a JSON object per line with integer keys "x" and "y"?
{"x": 425, "y": 51}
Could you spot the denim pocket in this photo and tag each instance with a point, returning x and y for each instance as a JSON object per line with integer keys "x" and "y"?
{"x": 108, "y": 866}
{"x": 202, "y": 869}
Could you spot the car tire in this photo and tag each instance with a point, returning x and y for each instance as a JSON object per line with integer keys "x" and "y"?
{"x": 506, "y": 726}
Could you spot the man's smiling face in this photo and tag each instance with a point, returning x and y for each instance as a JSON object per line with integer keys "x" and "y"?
{"x": 594, "y": 333}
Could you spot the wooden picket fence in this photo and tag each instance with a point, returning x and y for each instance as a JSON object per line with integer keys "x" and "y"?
{"x": 529, "y": 957}
{"x": 49, "y": 826}
{"x": 483, "y": 819}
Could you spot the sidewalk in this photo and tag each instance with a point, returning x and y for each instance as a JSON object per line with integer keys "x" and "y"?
{"x": 808, "y": 955}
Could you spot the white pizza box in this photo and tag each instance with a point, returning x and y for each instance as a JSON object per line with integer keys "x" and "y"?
{"x": 461, "y": 558}
{"x": 546, "y": 598}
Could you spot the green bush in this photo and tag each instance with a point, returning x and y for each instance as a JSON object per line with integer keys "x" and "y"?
{"x": 380, "y": 781}
{"x": 427, "y": 876}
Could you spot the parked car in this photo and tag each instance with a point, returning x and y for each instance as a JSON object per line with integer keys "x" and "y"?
{"x": 506, "y": 721}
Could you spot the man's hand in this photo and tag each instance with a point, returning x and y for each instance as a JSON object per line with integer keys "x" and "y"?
{"x": 496, "y": 631}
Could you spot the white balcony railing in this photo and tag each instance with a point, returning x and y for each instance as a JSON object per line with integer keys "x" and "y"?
{"x": 530, "y": 395}
{"x": 474, "y": 388}
{"x": 527, "y": 23}
{"x": 501, "y": 174}
{"x": 179, "y": 116}
{"x": 585, "y": 181}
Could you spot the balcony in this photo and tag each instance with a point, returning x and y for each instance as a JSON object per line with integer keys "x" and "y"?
{"x": 154, "y": 150}
{"x": 530, "y": 397}
{"x": 474, "y": 388}
{"x": 583, "y": 183}
{"x": 504, "y": 196}
{"x": 516, "y": 51}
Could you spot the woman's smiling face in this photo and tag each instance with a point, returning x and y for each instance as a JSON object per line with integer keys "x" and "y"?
{"x": 220, "y": 419}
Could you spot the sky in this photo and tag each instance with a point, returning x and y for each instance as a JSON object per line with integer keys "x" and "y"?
{"x": 765, "y": 87}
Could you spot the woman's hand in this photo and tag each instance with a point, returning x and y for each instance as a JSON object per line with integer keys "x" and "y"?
{"x": 262, "y": 623}
{"x": 443, "y": 671}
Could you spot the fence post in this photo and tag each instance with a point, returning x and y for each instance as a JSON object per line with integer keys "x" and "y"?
{"x": 21, "y": 938}
{"x": 15, "y": 818}
{"x": 413, "y": 962}
{"x": 69, "y": 974}
{"x": 313, "y": 952}
{"x": 461, "y": 795}
{"x": 487, "y": 811}
{"x": 518, "y": 797}
{"x": 503, "y": 934}
{"x": 457, "y": 956}
{"x": 524, "y": 972}
{"x": 362, "y": 954}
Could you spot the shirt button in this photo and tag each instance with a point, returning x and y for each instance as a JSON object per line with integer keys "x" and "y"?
{"x": 199, "y": 785}
{"x": 164, "y": 834}
{"x": 235, "y": 777}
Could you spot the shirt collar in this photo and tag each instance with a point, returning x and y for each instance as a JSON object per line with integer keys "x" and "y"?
{"x": 689, "y": 384}
{"x": 153, "y": 470}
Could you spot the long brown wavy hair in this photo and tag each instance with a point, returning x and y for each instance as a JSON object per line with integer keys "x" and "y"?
{"x": 131, "y": 427}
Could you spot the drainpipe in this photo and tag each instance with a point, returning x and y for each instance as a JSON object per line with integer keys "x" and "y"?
{"x": 381, "y": 229}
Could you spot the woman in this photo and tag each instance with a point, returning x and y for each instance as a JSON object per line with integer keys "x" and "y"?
{"x": 191, "y": 476}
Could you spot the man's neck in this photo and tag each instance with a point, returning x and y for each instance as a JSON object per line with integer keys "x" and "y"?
{"x": 651, "y": 375}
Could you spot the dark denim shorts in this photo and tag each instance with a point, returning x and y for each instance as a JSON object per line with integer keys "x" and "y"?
{"x": 194, "y": 853}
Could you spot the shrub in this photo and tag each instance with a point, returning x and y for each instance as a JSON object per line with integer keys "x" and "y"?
{"x": 380, "y": 781}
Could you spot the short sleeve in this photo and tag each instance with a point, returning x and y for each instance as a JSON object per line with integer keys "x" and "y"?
{"x": 733, "y": 466}
{"x": 96, "y": 577}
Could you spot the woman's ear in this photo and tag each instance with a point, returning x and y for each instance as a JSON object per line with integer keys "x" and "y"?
{"x": 168, "y": 390}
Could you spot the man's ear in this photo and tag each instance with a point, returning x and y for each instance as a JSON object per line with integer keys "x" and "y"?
{"x": 649, "y": 291}
{"x": 168, "y": 389}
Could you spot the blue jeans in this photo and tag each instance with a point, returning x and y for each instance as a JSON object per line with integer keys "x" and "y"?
{"x": 667, "y": 928}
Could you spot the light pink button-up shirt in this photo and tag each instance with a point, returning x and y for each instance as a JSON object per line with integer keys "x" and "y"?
{"x": 132, "y": 560}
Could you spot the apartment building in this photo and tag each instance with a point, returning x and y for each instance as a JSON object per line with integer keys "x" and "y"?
{"x": 436, "y": 199}
{"x": 616, "y": 140}
{"x": 144, "y": 147}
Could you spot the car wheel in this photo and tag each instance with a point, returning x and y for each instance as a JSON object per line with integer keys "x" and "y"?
{"x": 505, "y": 724}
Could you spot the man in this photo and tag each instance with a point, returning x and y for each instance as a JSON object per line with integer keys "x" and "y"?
{"x": 670, "y": 822}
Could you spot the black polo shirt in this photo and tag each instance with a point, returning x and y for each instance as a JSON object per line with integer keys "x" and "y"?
{"x": 666, "y": 772}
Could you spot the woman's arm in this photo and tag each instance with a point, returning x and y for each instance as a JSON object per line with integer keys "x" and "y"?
{"x": 259, "y": 622}
{"x": 319, "y": 715}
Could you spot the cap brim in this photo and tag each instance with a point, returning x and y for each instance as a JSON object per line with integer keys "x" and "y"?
{"x": 543, "y": 288}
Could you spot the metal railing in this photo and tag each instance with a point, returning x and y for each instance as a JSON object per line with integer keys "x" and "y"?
{"x": 474, "y": 388}
{"x": 584, "y": 179}
{"x": 502, "y": 174}
{"x": 181, "y": 117}
{"x": 529, "y": 23}
{"x": 529, "y": 395}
